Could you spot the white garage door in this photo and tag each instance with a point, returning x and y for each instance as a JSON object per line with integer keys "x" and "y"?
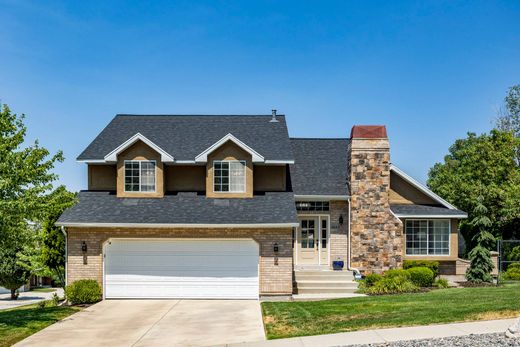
{"x": 210, "y": 269}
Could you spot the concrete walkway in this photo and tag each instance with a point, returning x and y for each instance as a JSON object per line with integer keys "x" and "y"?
{"x": 124, "y": 323}
{"x": 388, "y": 335}
{"x": 26, "y": 298}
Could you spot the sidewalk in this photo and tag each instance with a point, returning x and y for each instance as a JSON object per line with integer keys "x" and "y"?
{"x": 388, "y": 335}
{"x": 26, "y": 298}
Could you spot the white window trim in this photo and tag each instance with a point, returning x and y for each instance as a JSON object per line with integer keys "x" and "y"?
{"x": 140, "y": 191}
{"x": 229, "y": 179}
{"x": 427, "y": 238}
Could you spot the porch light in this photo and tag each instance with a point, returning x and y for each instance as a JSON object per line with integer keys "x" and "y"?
{"x": 275, "y": 247}
{"x": 341, "y": 219}
{"x": 84, "y": 247}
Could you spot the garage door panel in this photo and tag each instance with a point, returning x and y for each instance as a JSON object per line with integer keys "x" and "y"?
{"x": 181, "y": 269}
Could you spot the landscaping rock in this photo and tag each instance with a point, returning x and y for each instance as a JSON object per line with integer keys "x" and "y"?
{"x": 483, "y": 340}
{"x": 514, "y": 330}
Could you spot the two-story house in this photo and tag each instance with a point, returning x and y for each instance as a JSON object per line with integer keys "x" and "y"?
{"x": 182, "y": 206}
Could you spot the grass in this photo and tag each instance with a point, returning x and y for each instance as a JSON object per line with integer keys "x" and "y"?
{"x": 288, "y": 319}
{"x": 43, "y": 290}
{"x": 19, "y": 322}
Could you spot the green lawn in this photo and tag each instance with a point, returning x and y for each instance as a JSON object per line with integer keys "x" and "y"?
{"x": 18, "y": 323}
{"x": 287, "y": 319}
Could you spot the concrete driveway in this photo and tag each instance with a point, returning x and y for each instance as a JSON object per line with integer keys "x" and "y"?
{"x": 156, "y": 323}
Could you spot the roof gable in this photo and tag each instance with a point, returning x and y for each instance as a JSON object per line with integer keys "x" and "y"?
{"x": 203, "y": 157}
{"x": 112, "y": 156}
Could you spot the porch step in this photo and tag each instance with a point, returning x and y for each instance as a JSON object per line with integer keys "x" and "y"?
{"x": 324, "y": 282}
{"x": 326, "y": 290}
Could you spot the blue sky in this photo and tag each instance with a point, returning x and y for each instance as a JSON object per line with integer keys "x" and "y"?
{"x": 429, "y": 70}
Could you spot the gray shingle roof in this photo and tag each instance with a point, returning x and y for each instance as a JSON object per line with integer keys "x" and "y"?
{"x": 320, "y": 166}
{"x": 182, "y": 208}
{"x": 185, "y": 136}
{"x": 424, "y": 210}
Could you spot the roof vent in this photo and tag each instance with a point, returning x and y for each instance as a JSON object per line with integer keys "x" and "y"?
{"x": 273, "y": 120}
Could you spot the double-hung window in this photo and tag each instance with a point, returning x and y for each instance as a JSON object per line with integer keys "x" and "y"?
{"x": 229, "y": 176}
{"x": 140, "y": 176}
{"x": 427, "y": 237}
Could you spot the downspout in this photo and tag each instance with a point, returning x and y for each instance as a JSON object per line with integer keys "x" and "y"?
{"x": 349, "y": 264}
{"x": 66, "y": 253}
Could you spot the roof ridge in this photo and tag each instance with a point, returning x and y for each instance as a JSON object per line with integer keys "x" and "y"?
{"x": 196, "y": 115}
{"x": 319, "y": 138}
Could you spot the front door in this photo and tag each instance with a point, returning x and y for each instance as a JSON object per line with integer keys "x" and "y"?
{"x": 308, "y": 235}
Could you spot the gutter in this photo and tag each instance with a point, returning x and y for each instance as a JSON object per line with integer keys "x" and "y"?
{"x": 66, "y": 253}
{"x": 166, "y": 225}
{"x": 349, "y": 265}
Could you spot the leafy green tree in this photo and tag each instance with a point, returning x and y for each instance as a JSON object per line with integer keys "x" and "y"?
{"x": 509, "y": 117}
{"x": 481, "y": 264}
{"x": 13, "y": 275}
{"x": 26, "y": 193}
{"x": 483, "y": 166}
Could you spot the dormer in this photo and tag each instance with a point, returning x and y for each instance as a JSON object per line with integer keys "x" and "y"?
{"x": 140, "y": 167}
{"x": 229, "y": 168}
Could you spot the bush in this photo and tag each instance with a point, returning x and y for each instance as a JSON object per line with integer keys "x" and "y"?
{"x": 430, "y": 264}
{"x": 392, "y": 285}
{"x": 55, "y": 299}
{"x": 513, "y": 272}
{"x": 441, "y": 283}
{"x": 514, "y": 255}
{"x": 83, "y": 292}
{"x": 41, "y": 304}
{"x": 397, "y": 273}
{"x": 372, "y": 279}
{"x": 421, "y": 276}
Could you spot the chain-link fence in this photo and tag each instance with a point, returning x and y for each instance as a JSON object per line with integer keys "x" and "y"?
{"x": 508, "y": 261}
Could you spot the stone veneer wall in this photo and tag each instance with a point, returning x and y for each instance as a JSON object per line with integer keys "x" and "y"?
{"x": 376, "y": 233}
{"x": 275, "y": 274}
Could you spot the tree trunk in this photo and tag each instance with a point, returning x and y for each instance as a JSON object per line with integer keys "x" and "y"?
{"x": 13, "y": 294}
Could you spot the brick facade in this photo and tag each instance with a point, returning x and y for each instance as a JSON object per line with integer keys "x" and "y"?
{"x": 376, "y": 233}
{"x": 275, "y": 272}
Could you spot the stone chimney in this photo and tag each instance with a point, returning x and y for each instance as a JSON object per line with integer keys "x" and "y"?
{"x": 377, "y": 235}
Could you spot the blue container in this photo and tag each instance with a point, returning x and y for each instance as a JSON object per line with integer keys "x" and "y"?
{"x": 338, "y": 264}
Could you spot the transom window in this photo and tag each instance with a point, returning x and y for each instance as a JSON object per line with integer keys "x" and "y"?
{"x": 229, "y": 176}
{"x": 427, "y": 237}
{"x": 139, "y": 176}
{"x": 312, "y": 205}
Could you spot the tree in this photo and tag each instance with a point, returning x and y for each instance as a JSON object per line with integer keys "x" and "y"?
{"x": 13, "y": 275}
{"x": 26, "y": 183}
{"x": 482, "y": 166}
{"x": 481, "y": 264}
{"x": 53, "y": 240}
{"x": 509, "y": 117}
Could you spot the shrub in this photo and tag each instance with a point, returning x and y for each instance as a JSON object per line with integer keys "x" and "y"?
{"x": 41, "y": 304}
{"x": 83, "y": 292}
{"x": 513, "y": 272}
{"x": 421, "y": 276}
{"x": 372, "y": 279}
{"x": 514, "y": 255}
{"x": 430, "y": 264}
{"x": 55, "y": 299}
{"x": 441, "y": 283}
{"x": 392, "y": 285}
{"x": 397, "y": 273}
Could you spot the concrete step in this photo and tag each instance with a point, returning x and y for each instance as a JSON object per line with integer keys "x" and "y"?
{"x": 323, "y": 275}
{"x": 326, "y": 290}
{"x": 326, "y": 284}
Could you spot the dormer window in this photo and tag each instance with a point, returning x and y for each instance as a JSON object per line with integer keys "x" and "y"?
{"x": 140, "y": 176}
{"x": 229, "y": 176}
